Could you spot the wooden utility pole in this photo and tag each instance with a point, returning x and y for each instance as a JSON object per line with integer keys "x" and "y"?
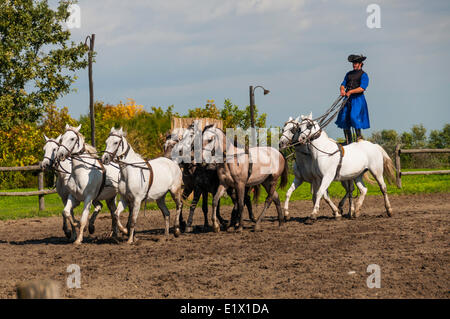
{"x": 252, "y": 107}
{"x": 91, "y": 87}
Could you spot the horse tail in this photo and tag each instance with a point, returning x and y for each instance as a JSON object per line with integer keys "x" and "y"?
{"x": 389, "y": 171}
{"x": 257, "y": 192}
{"x": 284, "y": 175}
{"x": 368, "y": 178}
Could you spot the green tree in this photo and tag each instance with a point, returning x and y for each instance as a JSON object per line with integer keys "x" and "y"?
{"x": 440, "y": 139}
{"x": 36, "y": 59}
{"x": 419, "y": 136}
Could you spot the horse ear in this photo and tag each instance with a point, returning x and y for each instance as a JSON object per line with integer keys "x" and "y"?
{"x": 302, "y": 117}
{"x": 78, "y": 128}
{"x": 297, "y": 119}
{"x": 290, "y": 118}
{"x": 310, "y": 116}
{"x": 121, "y": 130}
{"x": 46, "y": 138}
{"x": 58, "y": 138}
{"x": 67, "y": 126}
{"x": 112, "y": 129}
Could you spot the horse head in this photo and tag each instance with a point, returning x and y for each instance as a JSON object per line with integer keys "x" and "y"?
{"x": 190, "y": 142}
{"x": 289, "y": 129}
{"x": 212, "y": 144}
{"x": 116, "y": 145}
{"x": 50, "y": 148}
{"x": 309, "y": 129}
{"x": 173, "y": 138}
{"x": 71, "y": 143}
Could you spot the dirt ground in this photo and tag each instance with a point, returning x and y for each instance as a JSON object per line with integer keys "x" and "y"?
{"x": 325, "y": 259}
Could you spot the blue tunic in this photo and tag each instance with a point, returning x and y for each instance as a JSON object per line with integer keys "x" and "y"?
{"x": 355, "y": 113}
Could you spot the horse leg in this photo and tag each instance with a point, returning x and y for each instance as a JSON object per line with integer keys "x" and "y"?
{"x": 248, "y": 203}
{"x": 176, "y": 196}
{"x": 345, "y": 184}
{"x": 276, "y": 200}
{"x": 363, "y": 190}
{"x": 240, "y": 191}
{"x": 111, "y": 203}
{"x": 351, "y": 208}
{"x": 84, "y": 219}
{"x": 220, "y": 191}
{"x": 116, "y": 221}
{"x": 295, "y": 184}
{"x": 68, "y": 215}
{"x": 326, "y": 181}
{"x": 233, "y": 218}
{"x": 98, "y": 207}
{"x": 166, "y": 214}
{"x": 270, "y": 188}
{"x": 66, "y": 230}
{"x": 186, "y": 192}
{"x": 132, "y": 220}
{"x": 205, "y": 210}
{"x": 383, "y": 188}
{"x": 194, "y": 203}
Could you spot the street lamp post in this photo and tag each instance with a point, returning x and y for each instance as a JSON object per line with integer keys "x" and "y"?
{"x": 252, "y": 102}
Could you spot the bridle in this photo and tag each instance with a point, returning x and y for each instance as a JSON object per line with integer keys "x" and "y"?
{"x": 121, "y": 143}
{"x": 51, "y": 160}
{"x": 70, "y": 152}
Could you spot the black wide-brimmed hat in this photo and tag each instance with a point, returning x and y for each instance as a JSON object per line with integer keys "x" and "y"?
{"x": 353, "y": 58}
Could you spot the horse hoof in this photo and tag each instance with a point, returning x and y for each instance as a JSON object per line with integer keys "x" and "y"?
{"x": 177, "y": 232}
{"x": 239, "y": 230}
{"x": 216, "y": 228}
{"x": 389, "y": 212}
{"x": 257, "y": 228}
{"x": 77, "y": 242}
{"x": 338, "y": 217}
{"x": 229, "y": 229}
{"x": 68, "y": 234}
{"x": 91, "y": 229}
{"x": 189, "y": 229}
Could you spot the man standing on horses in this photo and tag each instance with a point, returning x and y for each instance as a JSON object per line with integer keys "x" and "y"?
{"x": 354, "y": 113}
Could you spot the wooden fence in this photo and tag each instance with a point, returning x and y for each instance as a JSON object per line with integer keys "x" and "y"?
{"x": 178, "y": 122}
{"x": 41, "y": 192}
{"x": 399, "y": 151}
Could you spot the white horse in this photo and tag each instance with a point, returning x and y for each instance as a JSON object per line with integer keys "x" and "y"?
{"x": 305, "y": 170}
{"x": 141, "y": 180}
{"x": 358, "y": 158}
{"x": 63, "y": 170}
{"x": 90, "y": 179}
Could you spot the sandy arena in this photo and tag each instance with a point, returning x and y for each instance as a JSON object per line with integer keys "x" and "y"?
{"x": 326, "y": 259}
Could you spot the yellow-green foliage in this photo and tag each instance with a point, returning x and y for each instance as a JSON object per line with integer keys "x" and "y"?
{"x": 22, "y": 145}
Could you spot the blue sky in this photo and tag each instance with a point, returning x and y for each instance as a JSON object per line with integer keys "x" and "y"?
{"x": 183, "y": 52}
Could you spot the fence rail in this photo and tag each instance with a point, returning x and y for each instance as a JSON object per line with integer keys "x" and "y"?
{"x": 41, "y": 192}
{"x": 398, "y": 167}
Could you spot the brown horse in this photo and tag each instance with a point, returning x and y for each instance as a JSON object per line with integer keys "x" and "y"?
{"x": 239, "y": 169}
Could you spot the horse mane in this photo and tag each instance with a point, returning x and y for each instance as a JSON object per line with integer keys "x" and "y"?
{"x": 88, "y": 148}
{"x": 91, "y": 150}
